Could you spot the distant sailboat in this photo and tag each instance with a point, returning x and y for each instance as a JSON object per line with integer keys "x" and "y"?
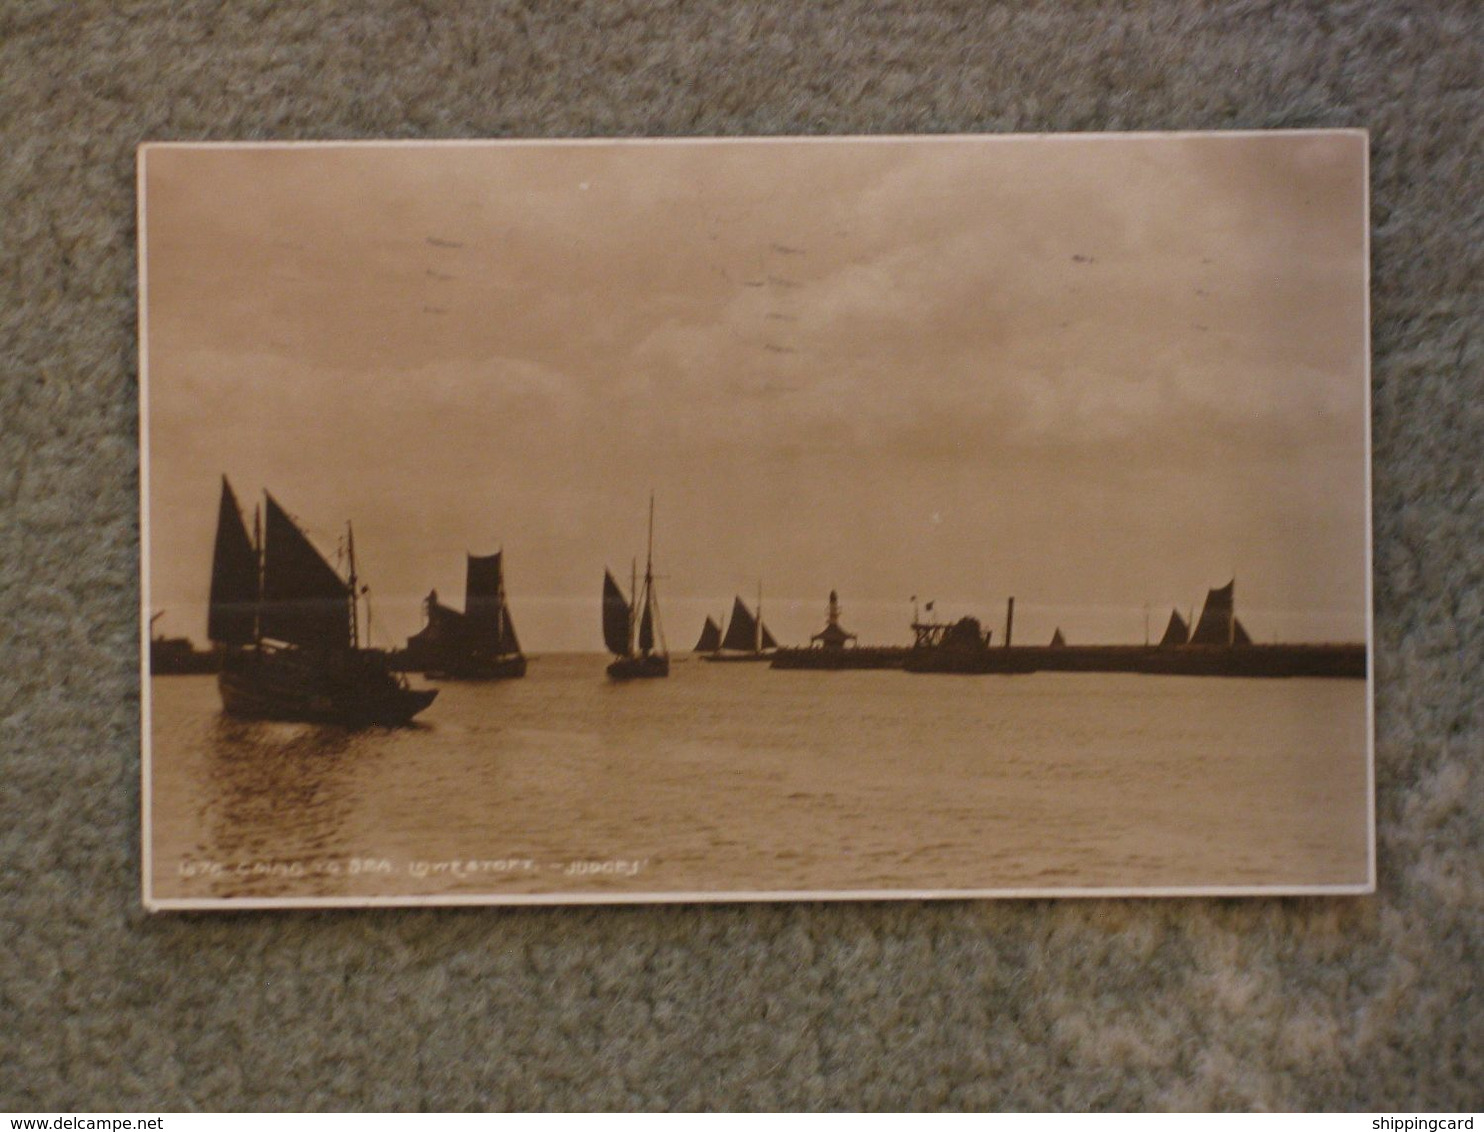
{"x": 710, "y": 637}
{"x": 477, "y": 644}
{"x": 1217, "y": 625}
{"x": 284, "y": 621}
{"x": 746, "y": 638}
{"x": 1177, "y": 632}
{"x": 631, "y": 625}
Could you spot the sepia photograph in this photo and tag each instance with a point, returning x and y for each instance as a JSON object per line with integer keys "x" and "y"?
{"x": 589, "y": 521}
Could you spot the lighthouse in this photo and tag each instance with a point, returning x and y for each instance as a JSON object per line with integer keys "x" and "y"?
{"x": 833, "y": 635}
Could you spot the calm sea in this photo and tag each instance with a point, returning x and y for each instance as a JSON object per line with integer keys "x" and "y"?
{"x": 738, "y": 778}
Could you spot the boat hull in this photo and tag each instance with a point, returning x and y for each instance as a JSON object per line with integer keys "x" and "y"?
{"x": 738, "y": 657}
{"x": 354, "y": 690}
{"x": 639, "y": 668}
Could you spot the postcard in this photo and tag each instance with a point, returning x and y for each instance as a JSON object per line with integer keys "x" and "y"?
{"x": 749, "y": 519}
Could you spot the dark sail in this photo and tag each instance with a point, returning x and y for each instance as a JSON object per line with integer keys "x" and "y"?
{"x": 1215, "y": 625}
{"x": 710, "y": 637}
{"x": 646, "y": 629}
{"x": 234, "y": 577}
{"x": 768, "y": 641}
{"x": 482, "y": 591}
{"x": 509, "y": 643}
{"x": 742, "y": 630}
{"x": 615, "y": 617}
{"x": 305, "y": 602}
{"x": 643, "y": 662}
{"x": 484, "y": 605}
{"x": 1177, "y": 632}
{"x": 1239, "y": 634}
{"x": 1057, "y": 640}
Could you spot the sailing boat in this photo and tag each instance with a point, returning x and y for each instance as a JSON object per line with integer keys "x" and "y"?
{"x": 710, "y": 637}
{"x": 477, "y": 644}
{"x": 633, "y": 639}
{"x": 1218, "y": 624}
{"x": 284, "y": 621}
{"x": 1177, "y": 632}
{"x": 747, "y": 638}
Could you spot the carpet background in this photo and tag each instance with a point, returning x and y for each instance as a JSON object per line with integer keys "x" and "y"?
{"x": 1313, "y": 1003}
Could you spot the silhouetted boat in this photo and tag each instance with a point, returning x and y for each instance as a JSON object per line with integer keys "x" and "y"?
{"x": 477, "y": 644}
{"x": 1217, "y": 624}
{"x": 747, "y": 638}
{"x": 631, "y": 625}
{"x": 1177, "y": 632}
{"x": 285, "y": 623}
{"x": 710, "y": 639}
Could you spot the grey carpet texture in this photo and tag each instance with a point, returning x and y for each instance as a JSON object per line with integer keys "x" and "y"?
{"x": 1257, "y": 1003}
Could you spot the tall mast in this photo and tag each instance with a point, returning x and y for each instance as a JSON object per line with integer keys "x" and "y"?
{"x": 649, "y": 553}
{"x": 651, "y": 607}
{"x": 649, "y": 563}
{"x": 350, "y": 553}
{"x": 633, "y": 605}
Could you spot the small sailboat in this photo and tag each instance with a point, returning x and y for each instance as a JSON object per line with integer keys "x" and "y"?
{"x": 284, "y": 622}
{"x": 710, "y": 639}
{"x": 746, "y": 638}
{"x": 1218, "y": 624}
{"x": 631, "y": 625}
{"x": 477, "y": 644}
{"x": 1177, "y": 632}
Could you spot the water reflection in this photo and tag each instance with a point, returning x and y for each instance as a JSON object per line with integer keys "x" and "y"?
{"x": 281, "y": 796}
{"x": 725, "y": 780}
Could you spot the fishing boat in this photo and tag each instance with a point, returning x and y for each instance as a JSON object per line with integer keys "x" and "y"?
{"x": 710, "y": 639}
{"x": 631, "y": 625}
{"x": 284, "y": 622}
{"x": 1177, "y": 632}
{"x": 746, "y": 638}
{"x": 478, "y": 643}
{"x": 1218, "y": 624}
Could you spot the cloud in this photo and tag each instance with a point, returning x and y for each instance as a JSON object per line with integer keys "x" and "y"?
{"x": 1063, "y": 348}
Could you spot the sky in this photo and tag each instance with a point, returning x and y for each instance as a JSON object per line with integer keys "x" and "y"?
{"x": 1100, "y": 374}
